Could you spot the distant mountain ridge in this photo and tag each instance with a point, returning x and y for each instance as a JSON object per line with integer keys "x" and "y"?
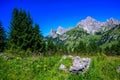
{"x": 89, "y": 30}
{"x": 89, "y": 24}
{"x": 60, "y": 31}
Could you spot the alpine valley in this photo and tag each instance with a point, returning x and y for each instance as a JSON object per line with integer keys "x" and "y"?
{"x": 88, "y": 32}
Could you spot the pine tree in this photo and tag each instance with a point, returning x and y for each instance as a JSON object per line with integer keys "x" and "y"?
{"x": 2, "y": 37}
{"x": 37, "y": 39}
{"x": 22, "y": 32}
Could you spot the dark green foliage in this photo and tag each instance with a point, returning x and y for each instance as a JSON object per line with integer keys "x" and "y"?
{"x": 110, "y": 41}
{"x": 37, "y": 39}
{"x": 2, "y": 38}
{"x": 93, "y": 47}
{"x": 113, "y": 50}
{"x": 51, "y": 47}
{"x": 23, "y": 34}
{"x": 80, "y": 48}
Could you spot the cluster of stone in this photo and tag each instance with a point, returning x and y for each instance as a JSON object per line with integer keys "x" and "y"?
{"x": 79, "y": 65}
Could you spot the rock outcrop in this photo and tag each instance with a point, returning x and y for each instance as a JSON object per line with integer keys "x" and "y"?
{"x": 79, "y": 65}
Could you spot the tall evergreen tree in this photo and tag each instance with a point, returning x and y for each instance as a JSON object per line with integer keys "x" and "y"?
{"x": 2, "y": 37}
{"x": 22, "y": 32}
{"x": 37, "y": 39}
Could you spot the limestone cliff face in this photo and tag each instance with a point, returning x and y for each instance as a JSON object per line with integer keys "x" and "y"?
{"x": 91, "y": 25}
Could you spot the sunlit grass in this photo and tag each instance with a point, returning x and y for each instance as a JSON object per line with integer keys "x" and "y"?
{"x": 47, "y": 68}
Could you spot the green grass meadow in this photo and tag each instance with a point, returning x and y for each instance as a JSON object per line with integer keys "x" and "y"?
{"x": 102, "y": 67}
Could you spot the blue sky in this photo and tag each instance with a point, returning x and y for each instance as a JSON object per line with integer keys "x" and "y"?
{"x": 53, "y": 13}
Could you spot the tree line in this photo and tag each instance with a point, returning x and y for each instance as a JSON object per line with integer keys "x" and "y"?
{"x": 26, "y": 35}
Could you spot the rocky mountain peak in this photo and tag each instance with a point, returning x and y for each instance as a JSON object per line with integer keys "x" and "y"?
{"x": 112, "y": 21}
{"x": 89, "y": 18}
{"x": 61, "y": 30}
{"x": 52, "y": 34}
{"x": 90, "y": 24}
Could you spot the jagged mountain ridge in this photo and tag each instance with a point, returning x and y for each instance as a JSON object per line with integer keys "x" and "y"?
{"x": 93, "y": 31}
{"x": 89, "y": 24}
{"x": 60, "y": 31}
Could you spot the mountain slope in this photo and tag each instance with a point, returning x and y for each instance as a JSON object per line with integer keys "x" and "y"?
{"x": 88, "y": 30}
{"x": 74, "y": 36}
{"x": 110, "y": 36}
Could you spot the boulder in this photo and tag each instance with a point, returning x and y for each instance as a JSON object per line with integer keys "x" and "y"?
{"x": 79, "y": 65}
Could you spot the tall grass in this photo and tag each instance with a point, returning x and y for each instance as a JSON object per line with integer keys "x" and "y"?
{"x": 102, "y": 67}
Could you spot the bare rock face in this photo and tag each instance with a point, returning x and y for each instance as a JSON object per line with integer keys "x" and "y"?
{"x": 90, "y": 24}
{"x": 59, "y": 31}
{"x": 52, "y": 34}
{"x": 112, "y": 21}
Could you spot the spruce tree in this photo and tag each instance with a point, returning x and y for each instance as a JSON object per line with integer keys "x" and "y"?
{"x": 22, "y": 32}
{"x": 2, "y": 37}
{"x": 37, "y": 39}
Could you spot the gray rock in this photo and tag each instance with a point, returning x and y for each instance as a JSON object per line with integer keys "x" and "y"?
{"x": 1, "y": 54}
{"x": 79, "y": 65}
{"x": 118, "y": 69}
{"x": 62, "y": 67}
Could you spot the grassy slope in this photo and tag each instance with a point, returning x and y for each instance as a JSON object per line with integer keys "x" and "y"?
{"x": 39, "y": 68}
